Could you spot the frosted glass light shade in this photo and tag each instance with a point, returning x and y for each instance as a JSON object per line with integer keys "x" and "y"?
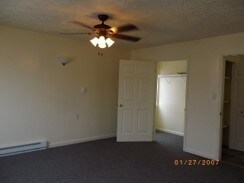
{"x": 101, "y": 42}
{"x": 109, "y": 42}
{"x": 94, "y": 41}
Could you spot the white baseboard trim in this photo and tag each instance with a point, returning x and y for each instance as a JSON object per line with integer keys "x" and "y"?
{"x": 198, "y": 153}
{"x": 170, "y": 131}
{"x": 76, "y": 141}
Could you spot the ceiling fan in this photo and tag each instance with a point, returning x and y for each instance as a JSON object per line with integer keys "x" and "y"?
{"x": 103, "y": 32}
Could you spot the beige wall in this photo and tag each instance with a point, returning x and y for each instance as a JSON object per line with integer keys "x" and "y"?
{"x": 171, "y": 67}
{"x": 170, "y": 114}
{"x": 40, "y": 98}
{"x": 205, "y": 70}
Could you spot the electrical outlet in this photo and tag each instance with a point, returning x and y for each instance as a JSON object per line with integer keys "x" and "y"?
{"x": 83, "y": 90}
{"x": 77, "y": 116}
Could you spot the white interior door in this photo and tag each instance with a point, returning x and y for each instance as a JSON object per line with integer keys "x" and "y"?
{"x": 136, "y": 100}
{"x": 237, "y": 115}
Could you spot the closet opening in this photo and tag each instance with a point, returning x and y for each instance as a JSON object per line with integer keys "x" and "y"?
{"x": 233, "y": 111}
{"x": 170, "y": 100}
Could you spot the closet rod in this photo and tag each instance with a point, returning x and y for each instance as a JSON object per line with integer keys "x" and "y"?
{"x": 176, "y": 75}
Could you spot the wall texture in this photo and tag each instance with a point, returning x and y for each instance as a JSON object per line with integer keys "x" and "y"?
{"x": 41, "y": 99}
{"x": 205, "y": 84}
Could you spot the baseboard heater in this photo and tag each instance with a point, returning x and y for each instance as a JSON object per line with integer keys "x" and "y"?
{"x": 23, "y": 148}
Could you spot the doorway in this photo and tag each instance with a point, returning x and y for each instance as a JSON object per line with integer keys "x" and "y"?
{"x": 232, "y": 127}
{"x": 171, "y": 97}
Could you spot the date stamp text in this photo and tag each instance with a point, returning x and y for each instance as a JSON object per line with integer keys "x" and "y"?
{"x": 192, "y": 162}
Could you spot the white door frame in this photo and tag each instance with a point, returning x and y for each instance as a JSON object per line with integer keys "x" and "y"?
{"x": 221, "y": 99}
{"x": 186, "y": 97}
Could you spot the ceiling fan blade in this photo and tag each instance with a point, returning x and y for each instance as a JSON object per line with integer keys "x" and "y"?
{"x": 125, "y": 37}
{"x": 125, "y": 28}
{"x": 82, "y": 24}
{"x": 73, "y": 33}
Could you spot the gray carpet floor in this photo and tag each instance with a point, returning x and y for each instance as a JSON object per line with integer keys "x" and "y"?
{"x": 233, "y": 157}
{"x": 106, "y": 161}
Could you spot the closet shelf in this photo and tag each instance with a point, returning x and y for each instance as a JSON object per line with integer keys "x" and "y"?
{"x": 171, "y": 75}
{"x": 227, "y": 101}
{"x": 227, "y": 77}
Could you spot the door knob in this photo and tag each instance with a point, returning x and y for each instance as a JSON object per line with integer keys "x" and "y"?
{"x": 120, "y": 105}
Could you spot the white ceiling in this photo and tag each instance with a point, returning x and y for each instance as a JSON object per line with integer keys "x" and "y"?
{"x": 160, "y": 21}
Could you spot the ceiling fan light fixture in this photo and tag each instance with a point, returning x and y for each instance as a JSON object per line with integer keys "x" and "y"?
{"x": 102, "y": 42}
